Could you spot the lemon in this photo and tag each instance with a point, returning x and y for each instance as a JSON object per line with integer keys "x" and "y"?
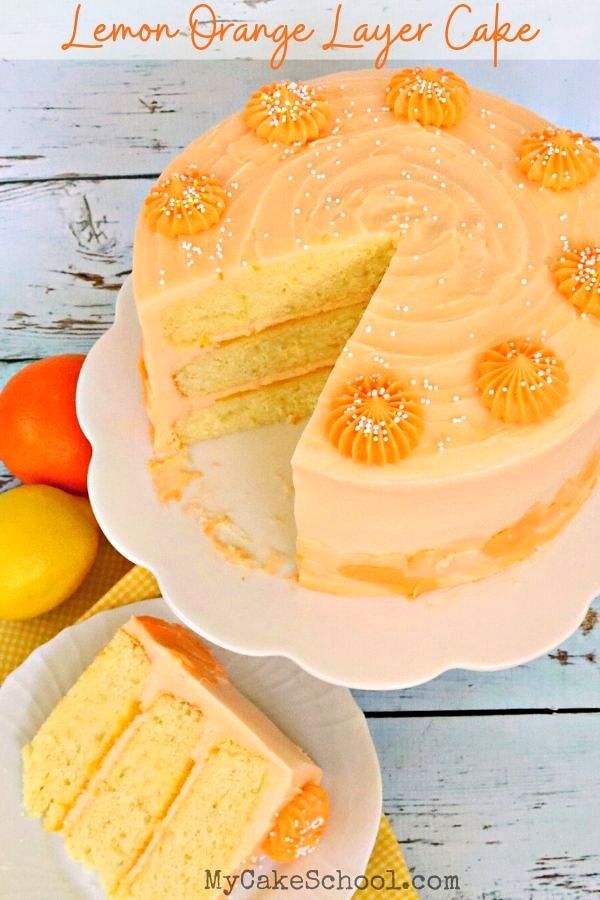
{"x": 48, "y": 542}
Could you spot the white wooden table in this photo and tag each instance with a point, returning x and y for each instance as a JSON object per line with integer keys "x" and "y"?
{"x": 494, "y": 778}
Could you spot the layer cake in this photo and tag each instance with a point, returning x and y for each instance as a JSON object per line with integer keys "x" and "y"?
{"x": 458, "y": 427}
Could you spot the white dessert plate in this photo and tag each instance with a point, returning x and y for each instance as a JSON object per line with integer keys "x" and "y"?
{"x": 323, "y": 719}
{"x": 245, "y": 496}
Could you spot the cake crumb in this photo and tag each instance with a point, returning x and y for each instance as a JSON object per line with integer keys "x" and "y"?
{"x": 172, "y": 474}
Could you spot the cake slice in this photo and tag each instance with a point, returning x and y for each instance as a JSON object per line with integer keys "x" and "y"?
{"x": 160, "y": 741}
{"x": 160, "y": 774}
{"x": 68, "y": 748}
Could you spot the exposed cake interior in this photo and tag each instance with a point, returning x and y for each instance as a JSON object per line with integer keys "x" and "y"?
{"x": 281, "y": 351}
{"x": 71, "y": 744}
{"x": 332, "y": 275}
{"x": 225, "y": 798}
{"x": 254, "y": 348}
{"x": 118, "y": 815}
{"x": 156, "y": 769}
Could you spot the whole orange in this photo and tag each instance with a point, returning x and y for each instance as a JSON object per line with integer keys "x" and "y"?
{"x": 40, "y": 438}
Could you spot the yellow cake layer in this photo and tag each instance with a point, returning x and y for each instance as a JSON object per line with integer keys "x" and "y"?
{"x": 155, "y": 769}
{"x": 64, "y": 754}
{"x": 126, "y": 802}
{"x": 274, "y": 354}
{"x": 260, "y": 295}
{"x": 204, "y": 831}
{"x": 283, "y": 401}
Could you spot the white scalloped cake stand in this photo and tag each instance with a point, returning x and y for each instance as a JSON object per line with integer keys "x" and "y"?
{"x": 377, "y": 643}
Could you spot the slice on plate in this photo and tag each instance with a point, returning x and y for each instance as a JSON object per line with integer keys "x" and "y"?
{"x": 160, "y": 774}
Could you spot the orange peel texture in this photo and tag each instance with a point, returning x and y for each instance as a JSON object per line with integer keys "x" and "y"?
{"x": 375, "y": 420}
{"x": 521, "y": 381}
{"x": 299, "y": 826}
{"x": 185, "y": 204}
{"x": 559, "y": 159}
{"x": 287, "y": 112}
{"x": 429, "y": 96}
{"x": 577, "y": 275}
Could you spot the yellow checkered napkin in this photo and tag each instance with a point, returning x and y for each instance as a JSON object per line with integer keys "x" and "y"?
{"x": 114, "y": 581}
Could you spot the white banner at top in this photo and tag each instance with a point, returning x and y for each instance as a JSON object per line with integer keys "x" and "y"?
{"x": 300, "y": 29}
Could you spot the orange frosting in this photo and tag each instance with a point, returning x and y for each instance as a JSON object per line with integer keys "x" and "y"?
{"x": 185, "y": 204}
{"x": 194, "y": 656}
{"x": 577, "y": 274}
{"x": 299, "y": 826}
{"x": 288, "y": 112}
{"x": 558, "y": 158}
{"x": 427, "y": 570}
{"x": 430, "y": 96}
{"x": 375, "y": 420}
{"x": 172, "y": 474}
{"x": 521, "y": 381}
{"x": 472, "y": 253}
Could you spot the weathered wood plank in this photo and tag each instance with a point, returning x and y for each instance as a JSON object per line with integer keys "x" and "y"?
{"x": 509, "y": 804}
{"x": 129, "y": 118}
{"x": 6, "y": 371}
{"x": 65, "y": 249}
